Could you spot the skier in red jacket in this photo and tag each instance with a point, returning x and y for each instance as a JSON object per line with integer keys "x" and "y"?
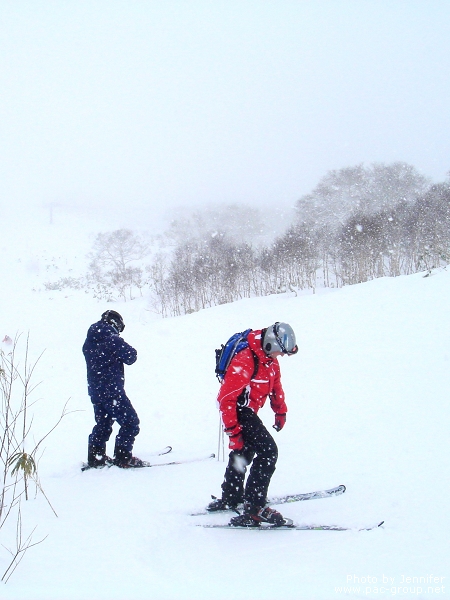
{"x": 253, "y": 376}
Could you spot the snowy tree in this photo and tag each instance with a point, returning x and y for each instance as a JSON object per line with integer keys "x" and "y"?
{"x": 112, "y": 259}
{"x": 360, "y": 190}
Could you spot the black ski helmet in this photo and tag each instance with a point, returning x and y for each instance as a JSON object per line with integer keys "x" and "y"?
{"x": 280, "y": 337}
{"x": 115, "y": 319}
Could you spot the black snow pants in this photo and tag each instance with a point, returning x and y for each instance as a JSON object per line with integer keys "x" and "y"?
{"x": 261, "y": 451}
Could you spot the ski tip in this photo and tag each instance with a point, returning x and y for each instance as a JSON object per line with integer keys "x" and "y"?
{"x": 343, "y": 488}
{"x": 212, "y": 455}
{"x": 85, "y": 467}
{"x": 380, "y": 524}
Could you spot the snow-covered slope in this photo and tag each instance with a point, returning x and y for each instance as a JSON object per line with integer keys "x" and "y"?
{"x": 368, "y": 407}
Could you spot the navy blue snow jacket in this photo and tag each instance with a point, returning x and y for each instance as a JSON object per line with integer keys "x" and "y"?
{"x": 105, "y": 353}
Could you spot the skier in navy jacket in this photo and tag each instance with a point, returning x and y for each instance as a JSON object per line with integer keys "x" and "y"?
{"x": 106, "y": 353}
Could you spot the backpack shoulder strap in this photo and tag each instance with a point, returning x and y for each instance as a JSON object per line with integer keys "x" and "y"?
{"x": 256, "y": 359}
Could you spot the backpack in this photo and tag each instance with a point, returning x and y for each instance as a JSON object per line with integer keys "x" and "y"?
{"x": 228, "y": 351}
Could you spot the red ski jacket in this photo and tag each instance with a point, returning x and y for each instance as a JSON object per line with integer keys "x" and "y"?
{"x": 251, "y": 391}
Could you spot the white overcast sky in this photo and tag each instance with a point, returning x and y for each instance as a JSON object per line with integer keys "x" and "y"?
{"x": 168, "y": 102}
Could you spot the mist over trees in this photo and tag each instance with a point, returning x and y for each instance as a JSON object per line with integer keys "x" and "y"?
{"x": 360, "y": 190}
{"x": 240, "y": 223}
{"x": 357, "y": 224}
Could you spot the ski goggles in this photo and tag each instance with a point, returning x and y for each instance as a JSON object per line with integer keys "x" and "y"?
{"x": 283, "y": 341}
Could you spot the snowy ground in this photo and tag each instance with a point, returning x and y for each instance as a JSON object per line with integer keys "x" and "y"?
{"x": 368, "y": 407}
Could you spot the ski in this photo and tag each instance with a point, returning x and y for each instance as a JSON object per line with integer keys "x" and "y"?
{"x": 336, "y": 491}
{"x": 146, "y": 463}
{"x": 162, "y": 452}
{"x": 181, "y": 462}
{"x": 165, "y": 450}
{"x": 290, "y": 525}
{"x": 334, "y": 527}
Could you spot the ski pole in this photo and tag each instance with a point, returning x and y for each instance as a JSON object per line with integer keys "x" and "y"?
{"x": 221, "y": 435}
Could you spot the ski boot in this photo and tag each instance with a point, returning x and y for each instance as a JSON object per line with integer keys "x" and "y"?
{"x": 255, "y": 516}
{"x": 97, "y": 458}
{"x": 220, "y": 504}
{"x": 124, "y": 460}
{"x": 132, "y": 463}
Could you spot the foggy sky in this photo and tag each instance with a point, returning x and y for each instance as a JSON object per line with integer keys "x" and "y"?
{"x": 168, "y": 102}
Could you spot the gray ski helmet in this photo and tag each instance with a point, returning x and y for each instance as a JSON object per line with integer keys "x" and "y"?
{"x": 113, "y": 318}
{"x": 280, "y": 337}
